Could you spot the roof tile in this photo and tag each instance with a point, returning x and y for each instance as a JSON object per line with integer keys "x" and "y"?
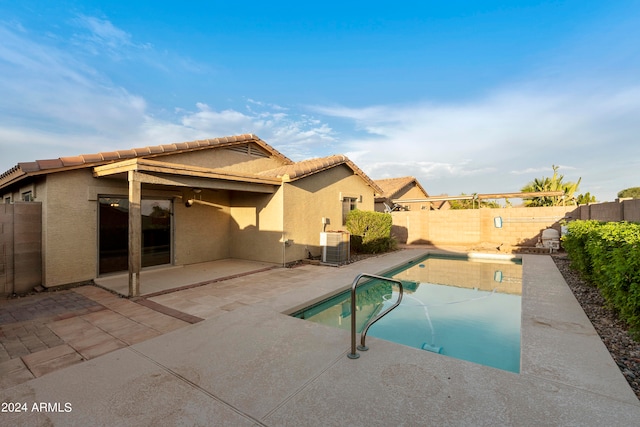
{"x": 126, "y": 154}
{"x": 50, "y": 164}
{"x": 72, "y": 161}
{"x": 91, "y": 158}
{"x": 392, "y": 186}
{"x": 108, "y": 155}
{"x": 155, "y": 149}
{"x": 29, "y": 166}
{"x": 142, "y": 151}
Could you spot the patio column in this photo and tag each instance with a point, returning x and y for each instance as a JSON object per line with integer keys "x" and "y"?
{"x": 135, "y": 233}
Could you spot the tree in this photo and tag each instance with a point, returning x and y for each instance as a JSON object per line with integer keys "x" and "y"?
{"x": 472, "y": 203}
{"x": 585, "y": 199}
{"x": 633, "y": 192}
{"x": 555, "y": 183}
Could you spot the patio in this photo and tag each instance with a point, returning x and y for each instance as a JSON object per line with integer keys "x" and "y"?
{"x": 248, "y": 363}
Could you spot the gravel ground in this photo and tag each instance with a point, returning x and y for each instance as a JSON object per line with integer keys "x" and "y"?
{"x": 613, "y": 332}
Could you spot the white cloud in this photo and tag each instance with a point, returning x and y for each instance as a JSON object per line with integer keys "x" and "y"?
{"x": 486, "y": 142}
{"x": 54, "y": 104}
{"x": 101, "y": 35}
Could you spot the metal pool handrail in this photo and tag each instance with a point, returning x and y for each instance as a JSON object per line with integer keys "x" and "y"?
{"x": 363, "y": 335}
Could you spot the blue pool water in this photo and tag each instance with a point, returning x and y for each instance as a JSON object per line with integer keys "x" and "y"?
{"x": 459, "y": 307}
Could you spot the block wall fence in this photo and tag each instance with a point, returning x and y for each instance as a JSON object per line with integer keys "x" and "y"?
{"x": 504, "y": 227}
{"x": 20, "y": 247}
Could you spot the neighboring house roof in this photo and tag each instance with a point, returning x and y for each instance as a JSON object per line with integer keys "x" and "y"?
{"x": 23, "y": 170}
{"x": 393, "y": 187}
{"x": 305, "y": 168}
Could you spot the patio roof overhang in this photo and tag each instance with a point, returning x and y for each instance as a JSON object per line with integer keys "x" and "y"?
{"x": 179, "y": 175}
{"x": 138, "y": 171}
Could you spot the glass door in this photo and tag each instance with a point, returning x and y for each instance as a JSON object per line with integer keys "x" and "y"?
{"x": 114, "y": 233}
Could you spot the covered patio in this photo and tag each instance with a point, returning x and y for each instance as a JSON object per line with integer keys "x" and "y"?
{"x": 186, "y": 183}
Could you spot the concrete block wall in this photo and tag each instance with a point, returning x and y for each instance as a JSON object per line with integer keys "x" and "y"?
{"x": 20, "y": 247}
{"x": 519, "y": 226}
{"x": 609, "y": 211}
{"x": 631, "y": 210}
{"x": 626, "y": 210}
{"x": 6, "y": 249}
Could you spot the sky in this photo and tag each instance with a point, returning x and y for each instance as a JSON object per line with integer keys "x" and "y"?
{"x": 466, "y": 96}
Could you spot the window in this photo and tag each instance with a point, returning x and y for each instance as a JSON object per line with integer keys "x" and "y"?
{"x": 27, "y": 196}
{"x": 7, "y": 200}
{"x": 348, "y": 204}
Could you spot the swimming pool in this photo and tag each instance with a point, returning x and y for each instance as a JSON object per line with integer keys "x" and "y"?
{"x": 463, "y": 307}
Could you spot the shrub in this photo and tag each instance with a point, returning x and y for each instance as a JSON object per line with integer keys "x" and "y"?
{"x": 370, "y": 231}
{"x": 608, "y": 254}
{"x": 575, "y": 243}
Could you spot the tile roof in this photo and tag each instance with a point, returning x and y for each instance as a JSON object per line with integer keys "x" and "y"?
{"x": 86, "y": 160}
{"x": 392, "y": 186}
{"x": 305, "y": 168}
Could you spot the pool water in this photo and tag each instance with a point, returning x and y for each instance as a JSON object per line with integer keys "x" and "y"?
{"x": 466, "y": 308}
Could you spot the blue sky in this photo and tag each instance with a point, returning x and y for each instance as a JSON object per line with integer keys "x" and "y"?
{"x": 467, "y": 96}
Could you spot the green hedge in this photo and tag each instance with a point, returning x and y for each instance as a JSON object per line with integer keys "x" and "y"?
{"x": 370, "y": 231}
{"x": 608, "y": 254}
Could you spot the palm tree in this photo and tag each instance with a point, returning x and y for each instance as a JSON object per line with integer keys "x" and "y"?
{"x": 551, "y": 184}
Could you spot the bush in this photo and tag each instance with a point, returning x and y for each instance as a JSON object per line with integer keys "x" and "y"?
{"x": 370, "y": 231}
{"x": 608, "y": 254}
{"x": 575, "y": 243}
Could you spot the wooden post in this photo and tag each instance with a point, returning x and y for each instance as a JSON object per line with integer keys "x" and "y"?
{"x": 135, "y": 233}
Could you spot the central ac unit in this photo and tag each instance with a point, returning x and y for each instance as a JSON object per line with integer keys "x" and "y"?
{"x": 335, "y": 247}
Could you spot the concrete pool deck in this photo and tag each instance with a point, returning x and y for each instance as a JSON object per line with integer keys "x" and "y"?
{"x": 249, "y": 364}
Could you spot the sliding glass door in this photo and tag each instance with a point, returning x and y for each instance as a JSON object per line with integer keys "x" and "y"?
{"x": 114, "y": 233}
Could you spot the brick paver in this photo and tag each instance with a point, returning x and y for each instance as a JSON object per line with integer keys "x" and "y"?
{"x": 45, "y": 332}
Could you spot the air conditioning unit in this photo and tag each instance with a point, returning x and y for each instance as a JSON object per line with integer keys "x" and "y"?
{"x": 336, "y": 247}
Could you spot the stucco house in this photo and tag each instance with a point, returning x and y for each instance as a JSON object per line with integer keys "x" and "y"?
{"x": 177, "y": 204}
{"x": 406, "y": 187}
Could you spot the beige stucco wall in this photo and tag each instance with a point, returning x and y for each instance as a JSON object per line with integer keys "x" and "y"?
{"x": 223, "y": 159}
{"x": 308, "y": 200}
{"x": 202, "y": 232}
{"x": 256, "y": 226}
{"x": 70, "y": 236}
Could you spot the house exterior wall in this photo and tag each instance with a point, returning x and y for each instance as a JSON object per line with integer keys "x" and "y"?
{"x": 308, "y": 200}
{"x": 256, "y": 226}
{"x": 70, "y": 225}
{"x": 222, "y": 158}
{"x": 246, "y": 225}
{"x": 69, "y": 222}
{"x": 202, "y": 232}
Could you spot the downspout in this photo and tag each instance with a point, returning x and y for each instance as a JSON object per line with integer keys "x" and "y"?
{"x": 284, "y": 244}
